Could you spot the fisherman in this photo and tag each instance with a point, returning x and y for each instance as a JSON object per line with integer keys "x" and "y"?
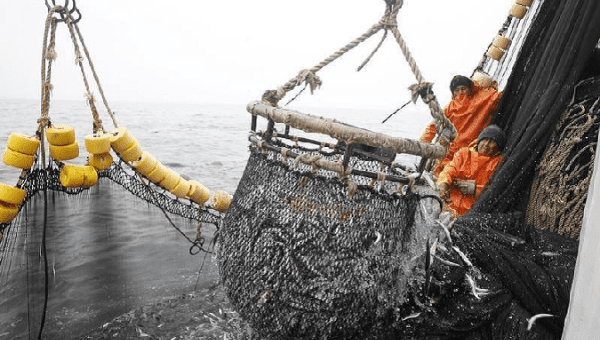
{"x": 462, "y": 180}
{"x": 470, "y": 110}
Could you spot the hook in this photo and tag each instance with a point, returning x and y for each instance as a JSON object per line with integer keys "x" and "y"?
{"x": 62, "y": 12}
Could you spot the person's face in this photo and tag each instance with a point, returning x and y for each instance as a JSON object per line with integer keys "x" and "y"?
{"x": 487, "y": 147}
{"x": 460, "y": 90}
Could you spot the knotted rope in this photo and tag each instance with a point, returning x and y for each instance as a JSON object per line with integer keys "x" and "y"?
{"x": 422, "y": 88}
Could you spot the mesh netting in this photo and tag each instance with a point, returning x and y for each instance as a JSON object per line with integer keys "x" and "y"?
{"x": 38, "y": 179}
{"x": 551, "y": 62}
{"x": 299, "y": 259}
{"x": 560, "y": 188}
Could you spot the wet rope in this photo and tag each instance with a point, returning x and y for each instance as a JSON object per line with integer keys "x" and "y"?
{"x": 198, "y": 243}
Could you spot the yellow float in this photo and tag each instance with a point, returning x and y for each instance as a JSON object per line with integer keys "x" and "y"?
{"x": 198, "y": 192}
{"x": 482, "y": 79}
{"x": 518, "y": 11}
{"x": 11, "y": 195}
{"x": 132, "y": 153}
{"x": 121, "y": 139}
{"x": 100, "y": 161}
{"x": 60, "y": 135}
{"x": 74, "y": 176}
{"x": 524, "y": 2}
{"x": 64, "y": 152}
{"x": 8, "y": 212}
{"x": 158, "y": 174}
{"x": 22, "y": 143}
{"x": 502, "y": 42}
{"x": 221, "y": 201}
{"x": 97, "y": 143}
{"x": 145, "y": 164}
{"x": 181, "y": 189}
{"x": 17, "y": 159}
{"x": 170, "y": 181}
{"x": 495, "y": 53}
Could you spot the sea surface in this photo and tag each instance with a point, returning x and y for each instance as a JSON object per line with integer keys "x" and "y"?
{"x": 110, "y": 252}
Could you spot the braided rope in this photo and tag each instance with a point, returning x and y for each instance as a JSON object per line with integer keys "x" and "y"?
{"x": 559, "y": 193}
{"x": 46, "y": 75}
{"x": 79, "y": 61}
{"x": 85, "y": 50}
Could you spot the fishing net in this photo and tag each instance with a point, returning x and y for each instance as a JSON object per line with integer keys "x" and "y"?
{"x": 551, "y": 62}
{"x": 562, "y": 179}
{"x": 305, "y": 254}
{"x": 294, "y": 268}
{"x": 37, "y": 179}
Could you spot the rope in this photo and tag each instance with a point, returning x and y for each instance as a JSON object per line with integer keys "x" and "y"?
{"x": 559, "y": 192}
{"x": 292, "y": 83}
{"x": 79, "y": 61}
{"x": 85, "y": 50}
{"x": 374, "y": 51}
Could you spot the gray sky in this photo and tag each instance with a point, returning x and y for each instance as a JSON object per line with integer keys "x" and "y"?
{"x": 232, "y": 51}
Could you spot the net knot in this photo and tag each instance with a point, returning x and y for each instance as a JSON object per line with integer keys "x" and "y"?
{"x": 310, "y": 78}
{"x": 422, "y": 90}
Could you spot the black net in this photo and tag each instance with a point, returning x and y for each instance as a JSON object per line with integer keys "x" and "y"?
{"x": 551, "y": 62}
{"x": 299, "y": 259}
{"x": 37, "y": 179}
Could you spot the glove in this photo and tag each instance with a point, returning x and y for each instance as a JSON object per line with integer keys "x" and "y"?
{"x": 444, "y": 191}
{"x": 466, "y": 186}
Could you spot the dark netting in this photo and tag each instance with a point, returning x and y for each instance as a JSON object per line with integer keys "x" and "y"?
{"x": 551, "y": 62}
{"x": 38, "y": 179}
{"x": 299, "y": 259}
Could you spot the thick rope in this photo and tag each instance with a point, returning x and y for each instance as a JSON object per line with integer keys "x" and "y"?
{"x": 79, "y": 61}
{"x": 274, "y": 96}
{"x": 85, "y": 50}
{"x": 44, "y": 120}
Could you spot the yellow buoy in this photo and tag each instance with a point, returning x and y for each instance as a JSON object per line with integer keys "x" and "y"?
{"x": 524, "y": 2}
{"x": 121, "y": 139}
{"x": 60, "y": 135}
{"x": 97, "y": 143}
{"x": 8, "y": 212}
{"x": 221, "y": 200}
{"x": 71, "y": 176}
{"x": 145, "y": 164}
{"x": 181, "y": 189}
{"x": 11, "y": 195}
{"x": 100, "y": 161}
{"x": 158, "y": 174}
{"x": 132, "y": 153}
{"x": 64, "y": 152}
{"x": 74, "y": 176}
{"x": 17, "y": 159}
{"x": 90, "y": 176}
{"x": 170, "y": 181}
{"x": 198, "y": 192}
{"x": 502, "y": 42}
{"x": 22, "y": 143}
{"x": 482, "y": 79}
{"x": 495, "y": 53}
{"x": 518, "y": 11}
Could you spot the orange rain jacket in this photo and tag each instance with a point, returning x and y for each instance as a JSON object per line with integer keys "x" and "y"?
{"x": 468, "y": 164}
{"x": 469, "y": 115}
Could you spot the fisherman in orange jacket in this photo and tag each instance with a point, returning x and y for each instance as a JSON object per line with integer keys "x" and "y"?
{"x": 462, "y": 180}
{"x": 469, "y": 111}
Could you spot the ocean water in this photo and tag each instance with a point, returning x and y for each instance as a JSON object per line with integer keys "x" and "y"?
{"x": 110, "y": 252}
